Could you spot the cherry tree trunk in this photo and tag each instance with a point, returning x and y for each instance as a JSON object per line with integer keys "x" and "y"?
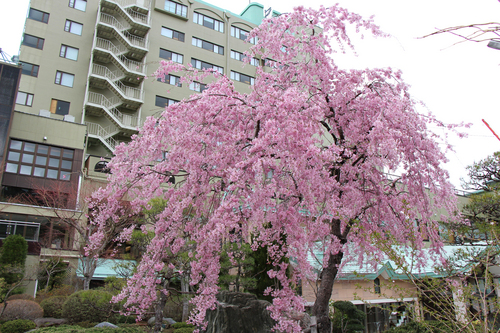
{"x": 321, "y": 307}
{"x": 86, "y": 282}
{"x": 159, "y": 312}
{"x": 185, "y": 299}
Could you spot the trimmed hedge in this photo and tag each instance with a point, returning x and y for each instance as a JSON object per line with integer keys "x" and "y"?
{"x": 90, "y": 306}
{"x": 184, "y": 330}
{"x": 78, "y": 329}
{"x": 21, "y": 309}
{"x": 53, "y": 306}
{"x": 18, "y": 326}
{"x": 182, "y": 325}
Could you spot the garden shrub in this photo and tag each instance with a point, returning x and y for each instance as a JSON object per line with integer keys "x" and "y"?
{"x": 64, "y": 290}
{"x": 52, "y": 306}
{"x": 78, "y": 329}
{"x": 184, "y": 330}
{"x": 18, "y": 326}
{"x": 89, "y": 305}
{"x": 21, "y": 296}
{"x": 182, "y": 325}
{"x": 21, "y": 309}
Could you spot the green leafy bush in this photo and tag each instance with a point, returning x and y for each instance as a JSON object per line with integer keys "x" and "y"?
{"x": 184, "y": 330}
{"x": 52, "y": 306}
{"x": 21, "y": 309}
{"x": 182, "y": 325}
{"x": 18, "y": 326}
{"x": 89, "y": 305}
{"x": 64, "y": 290}
{"x": 12, "y": 258}
{"x": 78, "y": 329}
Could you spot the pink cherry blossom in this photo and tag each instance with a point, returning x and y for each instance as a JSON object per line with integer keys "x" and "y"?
{"x": 304, "y": 159}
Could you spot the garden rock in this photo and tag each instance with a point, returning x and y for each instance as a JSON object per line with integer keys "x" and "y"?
{"x": 239, "y": 313}
{"x": 166, "y": 323}
{"x": 106, "y": 324}
{"x": 46, "y": 322}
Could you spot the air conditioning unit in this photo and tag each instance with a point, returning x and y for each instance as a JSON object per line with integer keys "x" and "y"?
{"x": 44, "y": 113}
{"x": 69, "y": 118}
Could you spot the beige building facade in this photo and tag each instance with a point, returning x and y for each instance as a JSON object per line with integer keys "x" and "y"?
{"x": 86, "y": 85}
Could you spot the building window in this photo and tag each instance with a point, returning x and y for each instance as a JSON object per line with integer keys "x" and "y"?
{"x": 172, "y": 34}
{"x": 59, "y": 107}
{"x": 163, "y": 101}
{"x": 208, "y": 22}
{"x": 73, "y": 27}
{"x": 207, "y": 45}
{"x": 176, "y": 8}
{"x": 78, "y": 4}
{"x": 169, "y": 55}
{"x": 171, "y": 79}
{"x": 33, "y": 41}
{"x": 242, "y": 78}
{"x": 68, "y": 52}
{"x": 196, "y": 86}
{"x": 24, "y": 98}
{"x": 30, "y": 69}
{"x": 376, "y": 285}
{"x": 32, "y": 159}
{"x": 29, "y": 231}
{"x": 64, "y": 79}
{"x": 241, "y": 57}
{"x": 38, "y": 15}
{"x": 205, "y": 65}
{"x": 242, "y": 34}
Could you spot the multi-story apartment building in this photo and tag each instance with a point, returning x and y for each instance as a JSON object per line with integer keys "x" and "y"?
{"x": 86, "y": 86}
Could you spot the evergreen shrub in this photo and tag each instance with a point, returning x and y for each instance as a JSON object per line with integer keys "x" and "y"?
{"x": 18, "y": 326}
{"x": 89, "y": 305}
{"x": 21, "y": 309}
{"x": 52, "y": 306}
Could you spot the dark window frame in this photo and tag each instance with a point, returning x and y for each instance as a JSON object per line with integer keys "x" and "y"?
{"x": 27, "y": 101}
{"x": 26, "y": 70}
{"x": 204, "y": 20}
{"x": 178, "y": 8}
{"x": 180, "y": 35}
{"x": 161, "y": 101}
{"x": 67, "y": 27}
{"x": 164, "y": 54}
{"x": 63, "y": 107}
{"x": 39, "y": 156}
{"x": 37, "y": 45}
{"x": 206, "y": 45}
{"x": 66, "y": 51}
{"x": 206, "y": 65}
{"x": 34, "y": 12}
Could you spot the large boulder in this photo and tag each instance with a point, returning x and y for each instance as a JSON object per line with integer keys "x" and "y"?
{"x": 239, "y": 313}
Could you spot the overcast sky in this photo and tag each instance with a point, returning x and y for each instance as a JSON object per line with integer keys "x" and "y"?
{"x": 456, "y": 82}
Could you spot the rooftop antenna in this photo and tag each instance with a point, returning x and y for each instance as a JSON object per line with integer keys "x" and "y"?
{"x": 5, "y": 57}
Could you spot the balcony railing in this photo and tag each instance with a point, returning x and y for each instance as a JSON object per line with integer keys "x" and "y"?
{"x": 104, "y": 134}
{"x": 114, "y": 78}
{"x": 140, "y": 3}
{"x": 121, "y": 29}
{"x": 108, "y": 105}
{"x": 138, "y": 17}
{"x": 118, "y": 51}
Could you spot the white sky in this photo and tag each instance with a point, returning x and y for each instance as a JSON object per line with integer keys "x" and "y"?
{"x": 456, "y": 82}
